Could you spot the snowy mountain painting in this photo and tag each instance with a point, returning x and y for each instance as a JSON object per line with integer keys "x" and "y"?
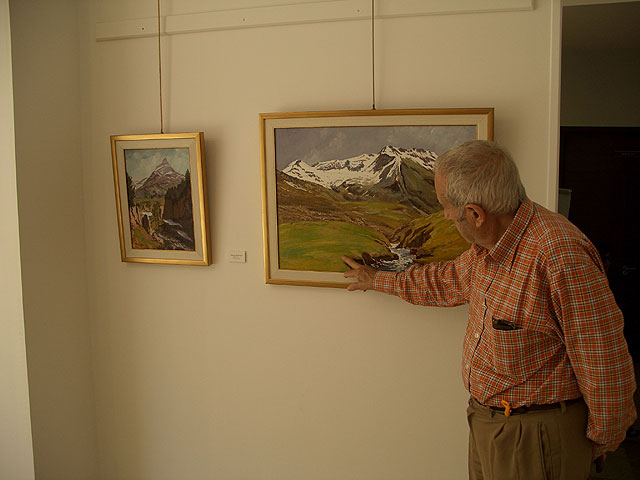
{"x": 367, "y": 192}
{"x": 159, "y": 197}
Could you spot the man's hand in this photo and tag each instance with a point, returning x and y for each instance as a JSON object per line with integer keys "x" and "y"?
{"x": 600, "y": 463}
{"x": 362, "y": 273}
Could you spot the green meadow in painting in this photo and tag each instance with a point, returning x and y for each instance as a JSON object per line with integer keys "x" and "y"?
{"x": 365, "y": 192}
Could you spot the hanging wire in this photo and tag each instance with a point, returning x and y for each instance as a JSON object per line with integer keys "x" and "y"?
{"x": 373, "y": 57}
{"x": 160, "y": 71}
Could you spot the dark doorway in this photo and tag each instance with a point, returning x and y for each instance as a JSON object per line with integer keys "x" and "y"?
{"x": 600, "y": 162}
{"x": 601, "y": 167}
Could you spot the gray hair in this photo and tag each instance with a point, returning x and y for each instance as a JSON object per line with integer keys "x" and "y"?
{"x": 482, "y": 173}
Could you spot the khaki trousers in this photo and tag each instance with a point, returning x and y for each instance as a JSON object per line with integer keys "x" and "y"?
{"x": 541, "y": 444}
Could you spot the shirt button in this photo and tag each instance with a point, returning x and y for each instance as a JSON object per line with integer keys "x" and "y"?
{"x": 467, "y": 366}
{"x": 477, "y": 335}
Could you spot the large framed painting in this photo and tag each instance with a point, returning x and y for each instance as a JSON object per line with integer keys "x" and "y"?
{"x": 161, "y": 198}
{"x": 357, "y": 183}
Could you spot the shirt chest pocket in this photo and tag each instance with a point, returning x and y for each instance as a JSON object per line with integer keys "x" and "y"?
{"x": 519, "y": 353}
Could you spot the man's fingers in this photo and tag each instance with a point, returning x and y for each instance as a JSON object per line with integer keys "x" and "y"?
{"x": 356, "y": 286}
{"x": 351, "y": 273}
{"x": 362, "y": 274}
{"x": 352, "y": 263}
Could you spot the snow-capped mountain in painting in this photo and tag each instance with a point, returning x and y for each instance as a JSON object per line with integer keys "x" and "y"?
{"x": 394, "y": 174}
{"x": 159, "y": 181}
{"x": 366, "y": 169}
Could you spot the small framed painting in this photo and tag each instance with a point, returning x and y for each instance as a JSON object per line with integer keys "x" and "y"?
{"x": 161, "y": 198}
{"x": 357, "y": 183}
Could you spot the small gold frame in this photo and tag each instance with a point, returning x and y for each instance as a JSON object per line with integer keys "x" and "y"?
{"x": 163, "y": 219}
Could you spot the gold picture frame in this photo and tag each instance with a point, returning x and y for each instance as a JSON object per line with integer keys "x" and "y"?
{"x": 161, "y": 198}
{"x": 328, "y": 189}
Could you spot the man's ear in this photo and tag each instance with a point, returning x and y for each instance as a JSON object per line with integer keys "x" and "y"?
{"x": 476, "y": 213}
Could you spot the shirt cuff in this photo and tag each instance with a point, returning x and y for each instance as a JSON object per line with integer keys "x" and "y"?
{"x": 385, "y": 282}
{"x": 598, "y": 450}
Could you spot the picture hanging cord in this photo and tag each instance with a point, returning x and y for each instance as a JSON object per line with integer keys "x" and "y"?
{"x": 373, "y": 57}
{"x": 160, "y": 71}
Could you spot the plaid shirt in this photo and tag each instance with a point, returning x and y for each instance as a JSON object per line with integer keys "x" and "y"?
{"x": 545, "y": 281}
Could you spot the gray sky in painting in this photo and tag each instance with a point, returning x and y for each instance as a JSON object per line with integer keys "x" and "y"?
{"x": 317, "y": 144}
{"x": 141, "y": 162}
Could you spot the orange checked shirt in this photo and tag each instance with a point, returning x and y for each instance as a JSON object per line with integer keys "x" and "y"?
{"x": 543, "y": 324}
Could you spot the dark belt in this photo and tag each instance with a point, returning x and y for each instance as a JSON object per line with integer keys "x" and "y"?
{"x": 535, "y": 407}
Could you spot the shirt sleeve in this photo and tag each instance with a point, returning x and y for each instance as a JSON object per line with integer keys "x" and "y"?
{"x": 442, "y": 284}
{"x": 593, "y": 332}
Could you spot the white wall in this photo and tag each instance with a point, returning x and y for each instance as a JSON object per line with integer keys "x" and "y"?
{"x": 46, "y": 68}
{"x": 210, "y": 373}
{"x": 206, "y": 372}
{"x": 16, "y": 452}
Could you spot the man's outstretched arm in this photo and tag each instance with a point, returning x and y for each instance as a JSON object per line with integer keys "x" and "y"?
{"x": 442, "y": 284}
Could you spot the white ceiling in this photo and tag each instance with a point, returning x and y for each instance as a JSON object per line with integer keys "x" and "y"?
{"x": 603, "y": 26}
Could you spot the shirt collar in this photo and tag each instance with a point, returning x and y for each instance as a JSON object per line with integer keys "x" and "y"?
{"x": 504, "y": 251}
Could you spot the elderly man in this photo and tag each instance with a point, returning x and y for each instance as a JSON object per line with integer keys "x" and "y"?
{"x": 544, "y": 358}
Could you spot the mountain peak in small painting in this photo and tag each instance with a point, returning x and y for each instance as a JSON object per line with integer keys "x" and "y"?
{"x": 159, "y": 182}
